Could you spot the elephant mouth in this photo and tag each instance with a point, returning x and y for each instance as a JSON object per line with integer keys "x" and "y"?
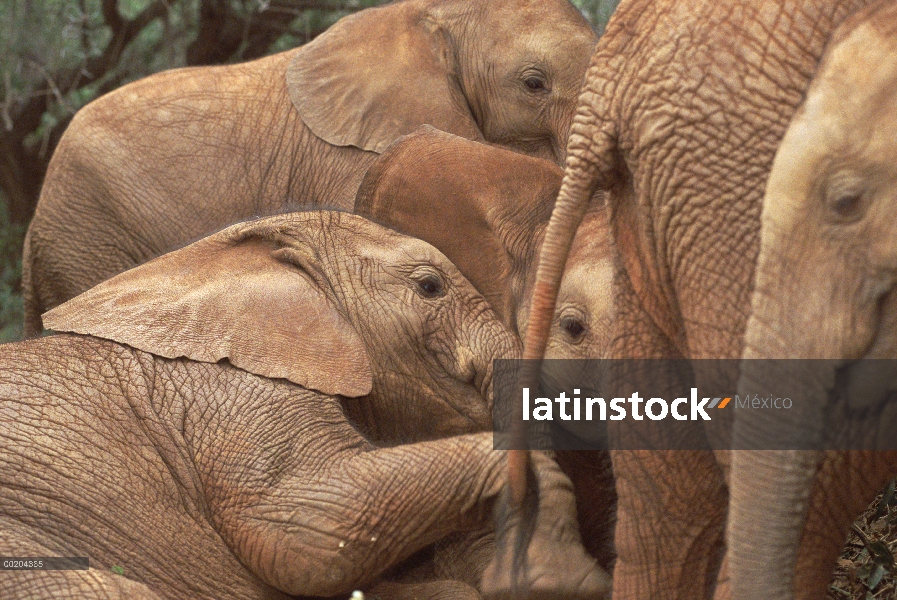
{"x": 869, "y": 378}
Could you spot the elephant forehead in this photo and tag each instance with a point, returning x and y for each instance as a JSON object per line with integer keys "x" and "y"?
{"x": 587, "y": 284}
{"x": 853, "y": 93}
{"x": 554, "y": 18}
{"x": 861, "y": 72}
{"x": 357, "y": 236}
{"x": 348, "y": 236}
{"x": 866, "y": 46}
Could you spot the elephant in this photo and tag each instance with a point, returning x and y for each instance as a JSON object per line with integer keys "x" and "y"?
{"x": 682, "y": 110}
{"x": 824, "y": 289}
{"x": 486, "y": 209}
{"x": 167, "y": 159}
{"x": 264, "y": 413}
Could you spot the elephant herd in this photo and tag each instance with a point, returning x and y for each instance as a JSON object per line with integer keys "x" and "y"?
{"x": 277, "y": 291}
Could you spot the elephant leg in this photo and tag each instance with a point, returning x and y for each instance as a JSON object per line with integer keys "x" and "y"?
{"x": 372, "y": 509}
{"x": 592, "y": 476}
{"x": 846, "y": 483}
{"x": 465, "y": 556}
{"x": 544, "y": 570}
{"x": 91, "y": 584}
{"x": 457, "y": 558}
{"x": 670, "y": 522}
{"x": 723, "y": 585}
{"x": 671, "y": 504}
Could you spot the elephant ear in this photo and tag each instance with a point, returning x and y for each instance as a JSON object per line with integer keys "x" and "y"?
{"x": 377, "y": 75}
{"x": 250, "y": 294}
{"x": 483, "y": 207}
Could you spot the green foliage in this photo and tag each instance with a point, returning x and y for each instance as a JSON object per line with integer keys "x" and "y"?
{"x": 40, "y": 39}
{"x": 11, "y": 312}
{"x": 597, "y": 11}
{"x": 309, "y": 21}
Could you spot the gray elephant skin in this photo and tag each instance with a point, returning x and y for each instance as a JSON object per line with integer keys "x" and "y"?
{"x": 167, "y": 159}
{"x": 255, "y": 415}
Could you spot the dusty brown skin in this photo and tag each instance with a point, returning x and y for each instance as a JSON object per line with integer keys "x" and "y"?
{"x": 683, "y": 108}
{"x": 245, "y": 478}
{"x": 486, "y": 209}
{"x": 170, "y": 158}
{"x": 825, "y": 288}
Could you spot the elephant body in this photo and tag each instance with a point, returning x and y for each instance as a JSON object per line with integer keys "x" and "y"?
{"x": 117, "y": 458}
{"x": 486, "y": 209}
{"x": 170, "y": 158}
{"x": 824, "y": 289}
{"x": 248, "y": 417}
{"x": 683, "y": 108}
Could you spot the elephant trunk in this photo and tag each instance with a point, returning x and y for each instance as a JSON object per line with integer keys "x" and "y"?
{"x": 497, "y": 342}
{"x": 770, "y": 487}
{"x": 797, "y": 313}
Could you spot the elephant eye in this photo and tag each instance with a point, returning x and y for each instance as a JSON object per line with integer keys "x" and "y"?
{"x": 430, "y": 285}
{"x": 847, "y": 205}
{"x": 574, "y": 327}
{"x": 535, "y": 83}
{"x": 846, "y": 195}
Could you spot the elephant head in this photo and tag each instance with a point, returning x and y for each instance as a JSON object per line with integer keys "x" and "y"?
{"x": 486, "y": 209}
{"x": 505, "y": 71}
{"x": 283, "y": 469}
{"x": 282, "y": 297}
{"x": 294, "y": 129}
{"x": 825, "y": 288}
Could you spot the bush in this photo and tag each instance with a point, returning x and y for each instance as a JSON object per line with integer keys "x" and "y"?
{"x": 11, "y": 311}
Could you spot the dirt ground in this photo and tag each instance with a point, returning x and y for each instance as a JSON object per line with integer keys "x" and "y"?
{"x": 866, "y": 568}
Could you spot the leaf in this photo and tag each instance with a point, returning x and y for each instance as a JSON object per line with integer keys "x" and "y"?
{"x": 887, "y": 499}
{"x": 875, "y": 578}
{"x": 881, "y": 555}
{"x": 117, "y": 570}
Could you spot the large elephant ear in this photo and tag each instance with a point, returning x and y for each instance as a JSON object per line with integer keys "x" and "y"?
{"x": 482, "y": 206}
{"x": 250, "y": 293}
{"x": 377, "y": 75}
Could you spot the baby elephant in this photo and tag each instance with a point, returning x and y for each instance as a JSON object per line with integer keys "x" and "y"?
{"x": 229, "y": 423}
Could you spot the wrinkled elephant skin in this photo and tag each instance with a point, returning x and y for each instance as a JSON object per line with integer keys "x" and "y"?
{"x": 167, "y": 159}
{"x": 256, "y": 415}
{"x": 825, "y": 288}
{"x": 486, "y": 209}
{"x": 683, "y": 108}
